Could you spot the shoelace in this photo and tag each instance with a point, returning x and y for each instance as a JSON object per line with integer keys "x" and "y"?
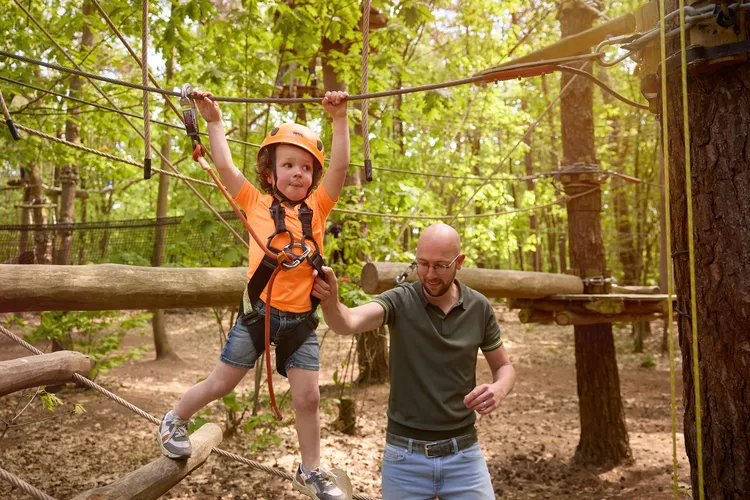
{"x": 324, "y": 475}
{"x": 180, "y": 428}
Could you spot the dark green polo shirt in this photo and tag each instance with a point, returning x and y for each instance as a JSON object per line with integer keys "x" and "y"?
{"x": 433, "y": 358}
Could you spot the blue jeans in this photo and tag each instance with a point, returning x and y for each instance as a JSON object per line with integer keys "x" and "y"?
{"x": 409, "y": 474}
{"x": 240, "y": 352}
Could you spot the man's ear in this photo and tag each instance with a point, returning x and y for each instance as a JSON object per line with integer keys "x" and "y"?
{"x": 460, "y": 261}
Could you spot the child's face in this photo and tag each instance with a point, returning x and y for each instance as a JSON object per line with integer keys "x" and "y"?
{"x": 294, "y": 170}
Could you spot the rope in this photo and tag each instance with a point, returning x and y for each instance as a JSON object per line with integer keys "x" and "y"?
{"x": 104, "y": 94}
{"x": 603, "y": 86}
{"x": 132, "y": 53}
{"x": 415, "y": 208}
{"x": 109, "y": 156}
{"x": 670, "y": 269}
{"x": 20, "y": 483}
{"x": 558, "y": 201}
{"x": 135, "y": 164}
{"x": 154, "y": 420}
{"x": 296, "y": 100}
{"x": 691, "y": 247}
{"x": 528, "y": 131}
{"x": 144, "y": 82}
{"x": 121, "y": 112}
{"x": 365, "y": 56}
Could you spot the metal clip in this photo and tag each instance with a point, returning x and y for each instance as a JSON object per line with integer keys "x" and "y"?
{"x": 189, "y": 113}
{"x": 598, "y": 280}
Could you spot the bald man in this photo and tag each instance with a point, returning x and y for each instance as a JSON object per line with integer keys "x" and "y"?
{"x": 437, "y": 326}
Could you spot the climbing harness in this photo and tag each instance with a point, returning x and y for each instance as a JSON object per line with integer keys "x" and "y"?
{"x": 274, "y": 260}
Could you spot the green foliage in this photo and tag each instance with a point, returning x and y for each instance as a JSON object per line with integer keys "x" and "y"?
{"x": 647, "y": 361}
{"x": 250, "y": 48}
{"x": 15, "y": 405}
{"x": 96, "y": 334}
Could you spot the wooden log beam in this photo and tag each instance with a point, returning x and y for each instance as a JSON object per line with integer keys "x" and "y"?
{"x": 575, "y": 44}
{"x": 114, "y": 286}
{"x": 637, "y": 289}
{"x": 378, "y": 277}
{"x": 536, "y": 316}
{"x": 603, "y": 304}
{"x": 156, "y": 478}
{"x": 44, "y": 369}
{"x": 566, "y": 318}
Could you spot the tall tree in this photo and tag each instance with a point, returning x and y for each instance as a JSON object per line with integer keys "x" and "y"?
{"x": 604, "y": 437}
{"x": 719, "y": 119}
{"x": 158, "y": 321}
{"x": 69, "y": 174}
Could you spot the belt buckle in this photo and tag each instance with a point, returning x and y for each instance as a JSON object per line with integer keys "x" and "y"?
{"x": 427, "y": 449}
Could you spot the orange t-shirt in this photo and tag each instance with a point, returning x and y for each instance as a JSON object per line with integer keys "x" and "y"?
{"x": 291, "y": 288}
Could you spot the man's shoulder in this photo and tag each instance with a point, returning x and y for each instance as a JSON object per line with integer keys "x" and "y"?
{"x": 473, "y": 297}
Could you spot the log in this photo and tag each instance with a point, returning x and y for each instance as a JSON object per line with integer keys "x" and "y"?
{"x": 33, "y": 371}
{"x": 378, "y": 277}
{"x": 639, "y": 289}
{"x": 536, "y": 316}
{"x": 566, "y": 318}
{"x": 157, "y": 477}
{"x": 113, "y": 286}
{"x": 602, "y": 304}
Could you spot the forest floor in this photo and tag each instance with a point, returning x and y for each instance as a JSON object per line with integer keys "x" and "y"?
{"x": 528, "y": 442}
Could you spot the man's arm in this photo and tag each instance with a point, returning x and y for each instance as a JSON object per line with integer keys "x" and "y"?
{"x": 503, "y": 373}
{"x": 485, "y": 398}
{"x": 342, "y": 319}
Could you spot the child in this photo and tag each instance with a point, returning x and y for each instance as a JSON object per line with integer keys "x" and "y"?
{"x": 290, "y": 164}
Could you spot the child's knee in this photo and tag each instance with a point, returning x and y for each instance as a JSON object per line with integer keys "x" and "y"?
{"x": 307, "y": 400}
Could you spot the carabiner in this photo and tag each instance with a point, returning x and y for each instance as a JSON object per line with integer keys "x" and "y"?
{"x": 189, "y": 114}
{"x": 298, "y": 259}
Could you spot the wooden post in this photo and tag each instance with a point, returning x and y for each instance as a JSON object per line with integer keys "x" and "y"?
{"x": 156, "y": 478}
{"x": 536, "y": 316}
{"x": 32, "y": 371}
{"x": 566, "y": 318}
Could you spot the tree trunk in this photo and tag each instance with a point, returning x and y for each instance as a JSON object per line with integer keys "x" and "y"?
{"x": 604, "y": 437}
{"x": 719, "y": 114}
{"x": 69, "y": 174}
{"x": 534, "y": 256}
{"x": 42, "y": 238}
{"x": 372, "y": 353}
{"x": 23, "y": 244}
{"x": 158, "y": 322}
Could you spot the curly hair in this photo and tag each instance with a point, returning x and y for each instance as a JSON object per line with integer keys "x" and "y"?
{"x": 263, "y": 168}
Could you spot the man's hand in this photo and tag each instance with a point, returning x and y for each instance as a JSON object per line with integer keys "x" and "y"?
{"x": 326, "y": 288}
{"x": 335, "y": 103}
{"x": 484, "y": 399}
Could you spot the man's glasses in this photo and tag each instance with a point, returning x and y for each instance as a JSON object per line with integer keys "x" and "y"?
{"x": 439, "y": 269}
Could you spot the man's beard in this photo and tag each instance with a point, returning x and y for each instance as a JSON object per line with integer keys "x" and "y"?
{"x": 445, "y": 286}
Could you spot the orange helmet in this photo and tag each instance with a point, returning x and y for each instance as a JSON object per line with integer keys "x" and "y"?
{"x": 296, "y": 135}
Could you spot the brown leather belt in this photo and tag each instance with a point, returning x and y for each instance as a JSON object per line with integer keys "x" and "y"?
{"x": 433, "y": 449}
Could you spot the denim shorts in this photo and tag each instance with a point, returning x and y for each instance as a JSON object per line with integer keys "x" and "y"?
{"x": 239, "y": 351}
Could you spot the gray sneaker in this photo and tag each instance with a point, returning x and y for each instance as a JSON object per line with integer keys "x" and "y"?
{"x": 319, "y": 484}
{"x": 173, "y": 437}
